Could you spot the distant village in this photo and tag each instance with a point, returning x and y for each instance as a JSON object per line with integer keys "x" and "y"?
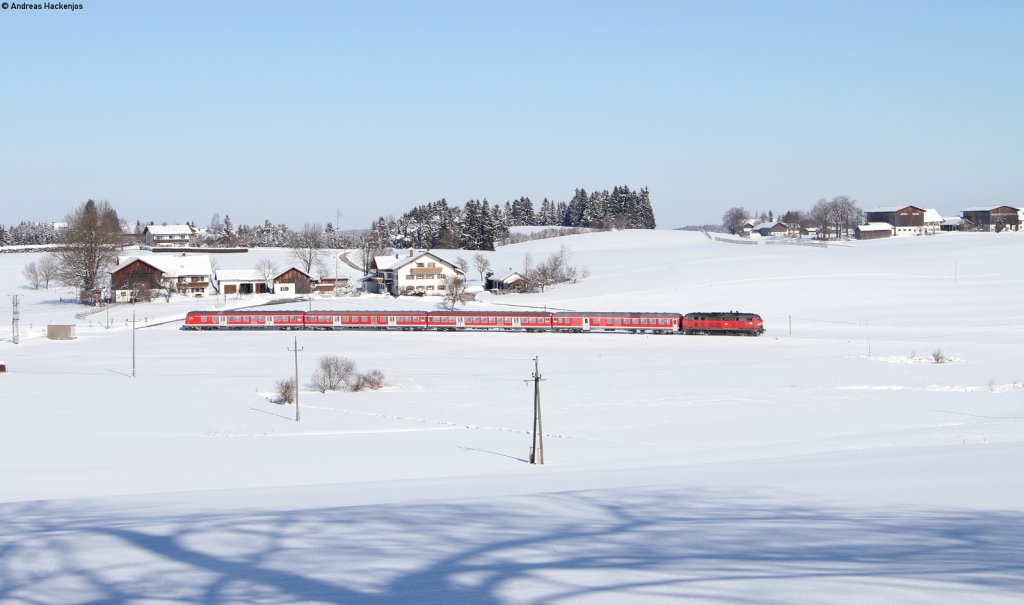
{"x": 895, "y": 221}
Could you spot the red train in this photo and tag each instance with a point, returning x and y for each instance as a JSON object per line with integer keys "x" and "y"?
{"x": 731, "y": 322}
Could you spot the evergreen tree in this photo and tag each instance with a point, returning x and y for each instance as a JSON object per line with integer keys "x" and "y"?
{"x": 573, "y": 216}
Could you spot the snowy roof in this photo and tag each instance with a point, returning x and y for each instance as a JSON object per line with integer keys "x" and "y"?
{"x": 238, "y": 275}
{"x": 173, "y": 265}
{"x": 987, "y": 208}
{"x": 875, "y": 227}
{"x": 291, "y": 268}
{"x": 392, "y": 263}
{"x": 931, "y": 215}
{"x": 953, "y": 220}
{"x": 892, "y": 208}
{"x": 769, "y": 225}
{"x": 169, "y": 229}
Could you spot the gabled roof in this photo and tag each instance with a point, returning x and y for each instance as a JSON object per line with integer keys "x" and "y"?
{"x": 875, "y": 227}
{"x": 770, "y": 225}
{"x": 238, "y": 275}
{"x": 988, "y": 208}
{"x": 892, "y": 208}
{"x": 169, "y": 229}
{"x": 390, "y": 263}
{"x": 932, "y": 215}
{"x": 173, "y": 265}
{"x": 292, "y": 268}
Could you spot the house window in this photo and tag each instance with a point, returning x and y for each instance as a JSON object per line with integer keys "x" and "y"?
{"x": 419, "y": 265}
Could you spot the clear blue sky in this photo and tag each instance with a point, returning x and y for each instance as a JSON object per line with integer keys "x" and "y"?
{"x": 290, "y": 111}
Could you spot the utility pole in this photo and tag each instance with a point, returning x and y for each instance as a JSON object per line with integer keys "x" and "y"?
{"x": 337, "y": 252}
{"x": 296, "y": 350}
{"x": 14, "y": 317}
{"x": 537, "y": 449}
{"x": 134, "y": 321}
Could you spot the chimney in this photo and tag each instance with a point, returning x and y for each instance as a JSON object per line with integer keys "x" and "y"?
{"x": 411, "y": 252}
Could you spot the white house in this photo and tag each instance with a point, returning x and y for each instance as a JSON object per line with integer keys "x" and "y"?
{"x": 167, "y": 236}
{"x": 423, "y": 273}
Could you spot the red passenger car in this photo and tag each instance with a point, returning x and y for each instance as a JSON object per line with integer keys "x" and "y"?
{"x": 206, "y": 320}
{"x": 619, "y": 322}
{"x": 471, "y": 320}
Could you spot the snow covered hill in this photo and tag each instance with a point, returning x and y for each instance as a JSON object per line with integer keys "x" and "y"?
{"x": 831, "y": 460}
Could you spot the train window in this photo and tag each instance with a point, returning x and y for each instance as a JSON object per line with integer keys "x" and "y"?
{"x": 382, "y": 319}
{"x": 491, "y": 320}
{"x": 366, "y": 319}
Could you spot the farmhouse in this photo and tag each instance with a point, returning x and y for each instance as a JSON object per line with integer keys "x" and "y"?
{"x": 424, "y": 273}
{"x": 767, "y": 229}
{"x": 514, "y": 281}
{"x": 993, "y": 218}
{"x": 167, "y": 236}
{"x": 187, "y": 275}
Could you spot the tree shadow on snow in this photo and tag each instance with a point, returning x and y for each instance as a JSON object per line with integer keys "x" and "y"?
{"x": 624, "y": 546}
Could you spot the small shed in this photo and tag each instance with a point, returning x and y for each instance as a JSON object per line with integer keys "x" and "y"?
{"x": 874, "y": 230}
{"x": 60, "y": 331}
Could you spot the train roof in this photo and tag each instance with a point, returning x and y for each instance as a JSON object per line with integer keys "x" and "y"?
{"x": 489, "y": 313}
{"x": 712, "y": 313}
{"x": 619, "y": 313}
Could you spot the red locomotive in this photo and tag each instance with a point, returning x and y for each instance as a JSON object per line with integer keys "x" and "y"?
{"x": 729, "y": 323}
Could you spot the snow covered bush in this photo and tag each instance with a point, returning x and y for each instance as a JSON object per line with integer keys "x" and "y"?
{"x": 372, "y": 380}
{"x": 939, "y": 356}
{"x": 285, "y": 389}
{"x": 333, "y": 372}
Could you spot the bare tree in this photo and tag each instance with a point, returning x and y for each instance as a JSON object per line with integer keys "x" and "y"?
{"x": 454, "y": 288}
{"x": 368, "y": 249}
{"x": 266, "y": 269}
{"x": 48, "y": 269}
{"x": 306, "y": 246}
{"x": 556, "y": 269}
{"x": 31, "y": 274}
{"x": 333, "y": 372}
{"x": 734, "y": 218}
{"x": 845, "y": 213}
{"x": 88, "y": 246}
{"x": 819, "y": 216}
{"x": 372, "y": 380}
{"x": 462, "y": 264}
{"x": 285, "y": 389}
{"x": 481, "y": 264}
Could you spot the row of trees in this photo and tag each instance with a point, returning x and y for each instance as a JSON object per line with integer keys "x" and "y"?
{"x": 832, "y": 218}
{"x": 479, "y": 225}
{"x": 28, "y": 233}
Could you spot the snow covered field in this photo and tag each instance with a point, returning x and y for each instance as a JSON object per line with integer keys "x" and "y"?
{"x": 829, "y": 461}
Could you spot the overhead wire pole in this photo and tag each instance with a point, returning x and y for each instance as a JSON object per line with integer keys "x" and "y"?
{"x": 15, "y": 314}
{"x": 337, "y": 252}
{"x": 537, "y": 449}
{"x": 296, "y": 349}
{"x": 133, "y": 322}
